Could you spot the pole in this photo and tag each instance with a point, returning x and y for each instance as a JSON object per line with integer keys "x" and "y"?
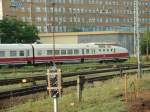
{"x": 126, "y": 89}
{"x": 31, "y": 12}
{"x": 134, "y": 29}
{"x": 53, "y": 4}
{"x": 80, "y": 84}
{"x": 46, "y": 11}
{"x": 147, "y": 40}
{"x": 136, "y": 24}
{"x": 55, "y": 104}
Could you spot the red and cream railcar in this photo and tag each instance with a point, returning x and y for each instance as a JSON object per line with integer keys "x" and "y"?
{"x": 15, "y": 54}
{"x": 44, "y": 53}
{"x": 63, "y": 53}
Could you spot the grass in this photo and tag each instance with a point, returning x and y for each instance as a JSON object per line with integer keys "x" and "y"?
{"x": 20, "y": 86}
{"x": 23, "y": 72}
{"x": 99, "y": 97}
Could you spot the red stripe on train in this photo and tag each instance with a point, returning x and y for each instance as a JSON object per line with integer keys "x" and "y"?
{"x": 63, "y": 58}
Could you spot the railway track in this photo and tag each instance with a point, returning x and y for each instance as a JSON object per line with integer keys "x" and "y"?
{"x": 87, "y": 67}
{"x": 39, "y": 88}
{"x": 101, "y": 69}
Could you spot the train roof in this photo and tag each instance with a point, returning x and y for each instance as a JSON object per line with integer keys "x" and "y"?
{"x": 15, "y": 46}
{"x": 46, "y": 46}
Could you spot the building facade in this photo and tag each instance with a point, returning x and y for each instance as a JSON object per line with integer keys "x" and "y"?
{"x": 77, "y": 15}
{"x": 124, "y": 39}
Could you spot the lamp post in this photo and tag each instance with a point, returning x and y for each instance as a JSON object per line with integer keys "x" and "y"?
{"x": 53, "y": 5}
{"x": 53, "y": 27}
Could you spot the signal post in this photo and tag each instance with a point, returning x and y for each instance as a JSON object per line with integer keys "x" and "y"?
{"x": 54, "y": 85}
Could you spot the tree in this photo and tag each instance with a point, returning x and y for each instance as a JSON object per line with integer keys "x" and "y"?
{"x": 145, "y": 43}
{"x": 15, "y": 31}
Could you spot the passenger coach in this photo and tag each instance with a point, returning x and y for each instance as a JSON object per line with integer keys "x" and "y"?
{"x": 43, "y": 53}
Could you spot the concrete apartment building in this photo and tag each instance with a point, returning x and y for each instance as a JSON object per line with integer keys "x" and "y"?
{"x": 111, "y": 20}
{"x": 77, "y": 15}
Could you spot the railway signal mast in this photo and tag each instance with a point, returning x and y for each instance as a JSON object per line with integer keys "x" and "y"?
{"x": 136, "y": 34}
{"x": 54, "y": 85}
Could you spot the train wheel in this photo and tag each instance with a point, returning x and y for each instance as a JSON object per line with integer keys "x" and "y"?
{"x": 82, "y": 60}
{"x": 101, "y": 61}
{"x": 29, "y": 63}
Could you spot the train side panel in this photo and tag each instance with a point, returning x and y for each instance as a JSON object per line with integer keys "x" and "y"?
{"x": 15, "y": 54}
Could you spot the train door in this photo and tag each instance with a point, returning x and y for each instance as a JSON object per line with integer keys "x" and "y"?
{"x": 28, "y": 56}
{"x": 82, "y": 57}
{"x": 83, "y": 52}
{"x": 114, "y": 50}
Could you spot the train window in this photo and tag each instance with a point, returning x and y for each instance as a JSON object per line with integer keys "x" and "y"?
{"x": 82, "y": 51}
{"x": 87, "y": 51}
{"x": 63, "y": 52}
{"x": 108, "y": 50}
{"x": 103, "y": 50}
{"x": 76, "y": 51}
{"x": 2, "y": 53}
{"x": 21, "y": 53}
{"x": 56, "y": 52}
{"x": 39, "y": 52}
{"x": 13, "y": 53}
{"x": 99, "y": 50}
{"x": 114, "y": 50}
{"x": 70, "y": 52}
{"x": 111, "y": 49}
{"x": 93, "y": 51}
{"x": 28, "y": 53}
{"x": 49, "y": 52}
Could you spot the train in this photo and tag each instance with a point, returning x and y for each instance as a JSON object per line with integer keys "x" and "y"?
{"x": 14, "y": 54}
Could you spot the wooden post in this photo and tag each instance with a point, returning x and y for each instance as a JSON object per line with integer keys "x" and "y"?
{"x": 137, "y": 86}
{"x": 48, "y": 82}
{"x": 121, "y": 72}
{"x": 59, "y": 82}
{"x": 126, "y": 88}
{"x": 80, "y": 84}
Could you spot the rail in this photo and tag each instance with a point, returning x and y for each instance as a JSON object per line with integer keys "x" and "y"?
{"x": 43, "y": 77}
{"x": 39, "y": 88}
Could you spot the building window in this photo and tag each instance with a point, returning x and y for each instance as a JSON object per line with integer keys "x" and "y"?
{"x": 38, "y": 19}
{"x": 23, "y": 19}
{"x": 45, "y": 29}
{"x": 37, "y": 9}
{"x": 39, "y": 28}
{"x": 28, "y": 9}
{"x": 28, "y": 0}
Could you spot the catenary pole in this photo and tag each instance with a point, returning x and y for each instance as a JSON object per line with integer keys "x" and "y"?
{"x": 53, "y": 5}
{"x": 138, "y": 36}
{"x": 135, "y": 29}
